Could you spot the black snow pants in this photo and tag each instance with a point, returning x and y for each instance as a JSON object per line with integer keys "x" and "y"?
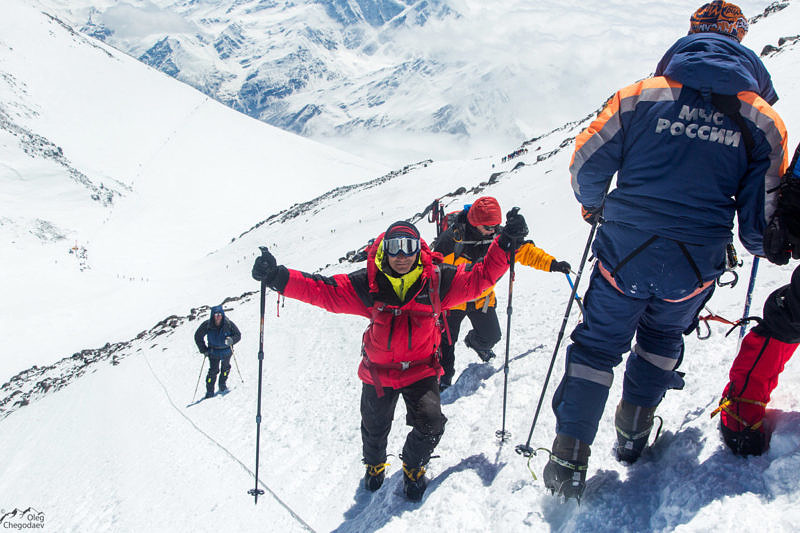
{"x": 214, "y": 369}
{"x": 423, "y": 414}
{"x": 484, "y": 335}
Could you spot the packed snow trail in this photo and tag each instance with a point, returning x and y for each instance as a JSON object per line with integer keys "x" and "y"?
{"x": 223, "y": 448}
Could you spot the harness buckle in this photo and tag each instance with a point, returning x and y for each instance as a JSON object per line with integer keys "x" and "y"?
{"x": 405, "y": 365}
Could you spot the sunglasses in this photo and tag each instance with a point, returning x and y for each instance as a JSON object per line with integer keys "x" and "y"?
{"x": 493, "y": 229}
{"x": 401, "y": 245}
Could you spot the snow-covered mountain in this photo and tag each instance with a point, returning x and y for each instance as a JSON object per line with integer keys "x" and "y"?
{"x": 116, "y": 181}
{"x": 398, "y": 80}
{"x": 99, "y": 435}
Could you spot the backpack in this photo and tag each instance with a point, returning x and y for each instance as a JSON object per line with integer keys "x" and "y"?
{"x": 443, "y": 221}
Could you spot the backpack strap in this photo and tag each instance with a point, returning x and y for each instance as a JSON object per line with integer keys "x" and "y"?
{"x": 650, "y": 241}
{"x": 633, "y": 254}
{"x": 436, "y": 302}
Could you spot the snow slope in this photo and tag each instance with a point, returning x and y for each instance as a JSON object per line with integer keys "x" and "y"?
{"x": 118, "y": 449}
{"x": 143, "y": 176}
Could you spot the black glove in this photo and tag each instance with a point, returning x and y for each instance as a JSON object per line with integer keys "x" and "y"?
{"x": 265, "y": 267}
{"x": 203, "y": 351}
{"x": 514, "y": 231}
{"x": 591, "y": 214}
{"x": 560, "y": 266}
{"x": 782, "y": 235}
{"x": 776, "y": 242}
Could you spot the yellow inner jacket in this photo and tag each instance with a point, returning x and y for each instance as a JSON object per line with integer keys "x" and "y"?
{"x": 399, "y": 284}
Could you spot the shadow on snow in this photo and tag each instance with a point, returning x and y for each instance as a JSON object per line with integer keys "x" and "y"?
{"x": 372, "y": 511}
{"x": 472, "y": 378}
{"x": 669, "y": 485}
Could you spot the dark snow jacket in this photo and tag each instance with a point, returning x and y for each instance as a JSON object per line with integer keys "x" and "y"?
{"x": 737, "y": 67}
{"x": 216, "y": 335}
{"x": 683, "y": 168}
{"x": 400, "y": 345}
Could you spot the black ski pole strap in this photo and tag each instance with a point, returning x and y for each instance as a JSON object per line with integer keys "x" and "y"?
{"x": 744, "y": 321}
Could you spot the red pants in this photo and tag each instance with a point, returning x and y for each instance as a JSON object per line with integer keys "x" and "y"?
{"x": 753, "y": 377}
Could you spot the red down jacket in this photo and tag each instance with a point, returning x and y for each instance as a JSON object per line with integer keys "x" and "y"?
{"x": 401, "y": 331}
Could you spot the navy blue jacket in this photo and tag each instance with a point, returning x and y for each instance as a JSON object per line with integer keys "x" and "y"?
{"x": 216, "y": 335}
{"x": 682, "y": 167}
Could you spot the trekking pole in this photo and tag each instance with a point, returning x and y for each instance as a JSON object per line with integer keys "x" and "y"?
{"x": 255, "y": 492}
{"x": 525, "y": 449}
{"x": 747, "y": 300}
{"x": 235, "y": 362}
{"x": 198, "y": 377}
{"x": 502, "y": 434}
{"x": 577, "y": 298}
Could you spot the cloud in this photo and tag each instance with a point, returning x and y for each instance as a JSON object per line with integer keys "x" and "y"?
{"x": 137, "y": 21}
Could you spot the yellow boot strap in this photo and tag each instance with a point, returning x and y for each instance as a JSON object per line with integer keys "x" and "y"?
{"x": 414, "y": 473}
{"x": 374, "y": 470}
{"x": 724, "y": 405}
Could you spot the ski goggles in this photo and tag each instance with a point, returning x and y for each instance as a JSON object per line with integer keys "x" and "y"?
{"x": 401, "y": 245}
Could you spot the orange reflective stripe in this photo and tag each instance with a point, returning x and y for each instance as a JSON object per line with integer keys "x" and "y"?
{"x": 613, "y": 106}
{"x": 611, "y": 109}
{"x": 626, "y": 99}
{"x": 767, "y": 110}
{"x": 757, "y": 110}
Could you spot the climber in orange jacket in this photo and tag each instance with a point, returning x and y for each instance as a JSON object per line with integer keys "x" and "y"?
{"x": 466, "y": 241}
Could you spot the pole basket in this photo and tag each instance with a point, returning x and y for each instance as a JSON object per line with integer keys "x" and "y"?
{"x": 503, "y": 435}
{"x": 524, "y": 450}
{"x": 255, "y": 493}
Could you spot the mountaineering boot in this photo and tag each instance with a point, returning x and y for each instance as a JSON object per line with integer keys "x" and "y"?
{"x": 486, "y": 355}
{"x": 414, "y": 482}
{"x": 373, "y": 478}
{"x": 742, "y": 435}
{"x": 745, "y": 442}
{"x": 565, "y": 472}
{"x": 209, "y": 394}
{"x": 633, "y": 424}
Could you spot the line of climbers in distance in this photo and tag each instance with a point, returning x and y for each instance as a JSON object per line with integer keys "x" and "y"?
{"x": 674, "y": 202}
{"x": 515, "y": 153}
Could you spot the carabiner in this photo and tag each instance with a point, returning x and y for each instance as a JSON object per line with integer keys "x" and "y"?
{"x": 700, "y": 335}
{"x": 732, "y": 283}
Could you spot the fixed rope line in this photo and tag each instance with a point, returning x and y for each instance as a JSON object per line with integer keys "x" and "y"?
{"x": 291, "y": 512}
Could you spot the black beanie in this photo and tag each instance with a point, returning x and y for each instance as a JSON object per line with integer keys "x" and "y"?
{"x": 402, "y": 229}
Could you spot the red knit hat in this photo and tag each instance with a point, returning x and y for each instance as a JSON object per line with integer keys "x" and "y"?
{"x": 485, "y": 211}
{"x": 719, "y": 17}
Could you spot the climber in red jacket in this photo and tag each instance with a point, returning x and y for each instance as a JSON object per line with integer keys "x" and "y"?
{"x": 402, "y": 291}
